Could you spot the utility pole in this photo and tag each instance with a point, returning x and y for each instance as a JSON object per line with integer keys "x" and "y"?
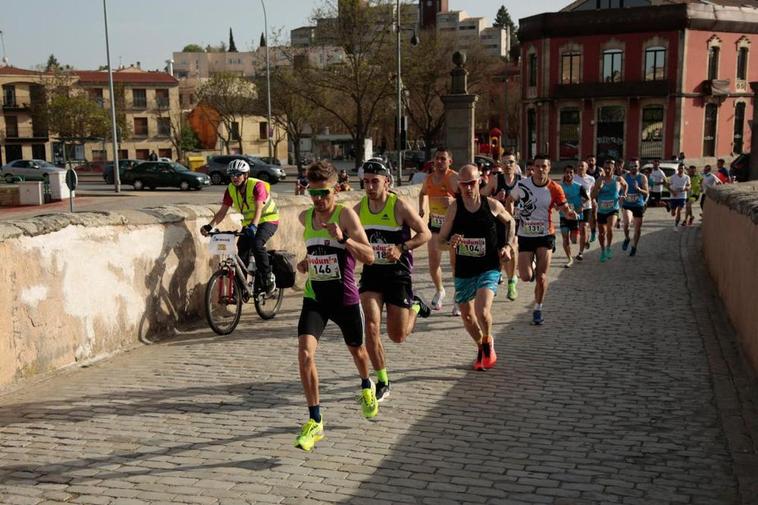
{"x": 116, "y": 171}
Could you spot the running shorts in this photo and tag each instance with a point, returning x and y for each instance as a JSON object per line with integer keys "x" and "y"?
{"x": 466, "y": 288}
{"x": 637, "y": 210}
{"x": 531, "y": 244}
{"x": 398, "y": 292}
{"x": 602, "y": 218}
{"x": 314, "y": 316}
{"x": 676, "y": 203}
{"x": 568, "y": 225}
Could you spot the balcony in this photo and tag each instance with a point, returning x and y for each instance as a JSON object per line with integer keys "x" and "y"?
{"x": 715, "y": 87}
{"x": 12, "y": 105}
{"x": 622, "y": 89}
{"x": 25, "y": 133}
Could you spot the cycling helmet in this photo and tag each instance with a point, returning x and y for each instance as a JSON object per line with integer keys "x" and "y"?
{"x": 237, "y": 167}
{"x": 375, "y": 167}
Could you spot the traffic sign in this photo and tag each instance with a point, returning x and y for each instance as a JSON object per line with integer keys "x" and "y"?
{"x": 71, "y": 179}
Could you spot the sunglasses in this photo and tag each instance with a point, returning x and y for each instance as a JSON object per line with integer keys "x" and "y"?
{"x": 319, "y": 193}
{"x": 468, "y": 184}
{"x": 236, "y": 174}
{"x": 510, "y": 162}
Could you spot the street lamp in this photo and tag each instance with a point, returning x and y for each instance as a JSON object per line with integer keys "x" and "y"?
{"x": 414, "y": 42}
{"x": 269, "y": 129}
{"x": 116, "y": 171}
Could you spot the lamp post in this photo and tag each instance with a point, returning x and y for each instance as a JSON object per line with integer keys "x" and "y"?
{"x": 116, "y": 171}
{"x": 269, "y": 129}
{"x": 414, "y": 42}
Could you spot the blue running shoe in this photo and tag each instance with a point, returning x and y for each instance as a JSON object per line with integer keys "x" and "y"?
{"x": 625, "y": 244}
{"x": 537, "y": 317}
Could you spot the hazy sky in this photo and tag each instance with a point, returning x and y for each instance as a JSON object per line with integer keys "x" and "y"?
{"x": 150, "y": 30}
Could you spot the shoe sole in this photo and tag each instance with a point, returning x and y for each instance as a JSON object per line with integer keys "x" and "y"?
{"x": 386, "y": 395}
{"x": 318, "y": 438}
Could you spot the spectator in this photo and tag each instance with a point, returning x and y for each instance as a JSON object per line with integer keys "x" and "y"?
{"x": 343, "y": 183}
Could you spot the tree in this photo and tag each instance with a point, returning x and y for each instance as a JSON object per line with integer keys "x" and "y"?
{"x": 232, "y": 98}
{"x": 503, "y": 20}
{"x": 232, "y": 46}
{"x": 220, "y": 48}
{"x": 193, "y": 48}
{"x": 52, "y": 63}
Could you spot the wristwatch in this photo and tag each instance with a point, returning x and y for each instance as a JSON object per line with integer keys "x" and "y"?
{"x": 344, "y": 239}
{"x": 404, "y": 247}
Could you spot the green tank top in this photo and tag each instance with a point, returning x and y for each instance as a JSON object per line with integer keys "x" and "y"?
{"x": 383, "y": 231}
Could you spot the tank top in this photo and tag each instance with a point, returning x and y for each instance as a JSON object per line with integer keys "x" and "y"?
{"x": 502, "y": 185}
{"x": 384, "y": 231}
{"x": 573, "y": 192}
{"x": 608, "y": 196}
{"x": 331, "y": 267}
{"x": 633, "y": 197}
{"x": 438, "y": 194}
{"x": 477, "y": 253}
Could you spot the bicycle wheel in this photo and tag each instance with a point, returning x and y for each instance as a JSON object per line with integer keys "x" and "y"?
{"x": 223, "y": 302}
{"x": 268, "y": 306}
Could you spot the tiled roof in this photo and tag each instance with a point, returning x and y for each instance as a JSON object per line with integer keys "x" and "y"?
{"x": 101, "y": 77}
{"x": 8, "y": 70}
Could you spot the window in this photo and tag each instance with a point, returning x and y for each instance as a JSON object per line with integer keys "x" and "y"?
{"x": 96, "y": 95}
{"x": 139, "y": 98}
{"x": 140, "y": 127}
{"x": 164, "y": 126}
{"x": 569, "y": 134}
{"x": 11, "y": 126}
{"x": 612, "y": 65}
{"x": 651, "y": 143}
{"x": 610, "y": 132}
{"x": 123, "y": 154}
{"x": 165, "y": 153}
{"x": 161, "y": 98}
{"x": 98, "y": 155}
{"x": 571, "y": 64}
{"x": 235, "y": 133}
{"x": 709, "y": 132}
{"x": 713, "y": 63}
{"x": 739, "y": 127}
{"x": 655, "y": 64}
{"x": 263, "y": 130}
{"x": 142, "y": 154}
{"x": 9, "y": 96}
{"x": 532, "y": 70}
{"x": 742, "y": 63}
{"x": 531, "y": 133}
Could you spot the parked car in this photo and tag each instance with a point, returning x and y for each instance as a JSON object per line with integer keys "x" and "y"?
{"x": 216, "y": 169}
{"x": 270, "y": 161}
{"x": 96, "y": 166}
{"x": 669, "y": 168}
{"x": 164, "y": 159}
{"x": 123, "y": 166}
{"x": 161, "y": 174}
{"x": 740, "y": 167}
{"x": 30, "y": 170}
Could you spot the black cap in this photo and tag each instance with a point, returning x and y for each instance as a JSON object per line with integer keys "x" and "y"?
{"x": 374, "y": 167}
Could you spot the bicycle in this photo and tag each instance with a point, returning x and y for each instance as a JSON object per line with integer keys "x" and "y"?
{"x": 228, "y": 288}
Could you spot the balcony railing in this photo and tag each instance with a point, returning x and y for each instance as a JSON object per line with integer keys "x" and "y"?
{"x": 161, "y": 103}
{"x": 25, "y": 132}
{"x": 612, "y": 89}
{"x": 13, "y": 104}
{"x": 139, "y": 103}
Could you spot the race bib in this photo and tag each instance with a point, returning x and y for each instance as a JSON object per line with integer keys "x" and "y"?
{"x": 632, "y": 199}
{"x": 534, "y": 228}
{"x": 474, "y": 247}
{"x": 436, "y": 220}
{"x": 381, "y": 251}
{"x": 606, "y": 204}
{"x": 324, "y": 268}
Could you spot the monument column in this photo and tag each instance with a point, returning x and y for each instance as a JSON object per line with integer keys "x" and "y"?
{"x": 460, "y": 108}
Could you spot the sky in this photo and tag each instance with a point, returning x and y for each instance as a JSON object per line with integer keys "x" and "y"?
{"x": 148, "y": 31}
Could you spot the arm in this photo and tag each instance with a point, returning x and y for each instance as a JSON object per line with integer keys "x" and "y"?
{"x": 357, "y": 242}
{"x": 447, "y": 226}
{"x": 596, "y": 189}
{"x": 506, "y": 252}
{"x": 217, "y": 218}
{"x": 643, "y": 189}
{"x": 422, "y": 198}
{"x": 624, "y": 187}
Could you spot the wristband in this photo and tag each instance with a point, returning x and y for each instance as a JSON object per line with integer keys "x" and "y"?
{"x": 344, "y": 239}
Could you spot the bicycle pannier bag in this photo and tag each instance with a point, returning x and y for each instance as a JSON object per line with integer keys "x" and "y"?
{"x": 283, "y": 266}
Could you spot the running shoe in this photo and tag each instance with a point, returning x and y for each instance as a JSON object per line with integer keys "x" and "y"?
{"x": 456, "y": 312}
{"x": 489, "y": 359}
{"x": 424, "y": 310}
{"x": 608, "y": 253}
{"x": 512, "y": 293}
{"x": 625, "y": 244}
{"x": 382, "y": 391}
{"x": 592, "y": 237}
{"x": 369, "y": 404}
{"x": 437, "y": 299}
{"x": 569, "y": 263}
{"x": 579, "y": 257}
{"x": 310, "y": 433}
{"x": 602, "y": 256}
{"x": 478, "y": 361}
{"x": 634, "y": 251}
{"x": 537, "y": 317}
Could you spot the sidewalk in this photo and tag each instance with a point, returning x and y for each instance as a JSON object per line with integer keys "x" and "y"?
{"x": 611, "y": 401}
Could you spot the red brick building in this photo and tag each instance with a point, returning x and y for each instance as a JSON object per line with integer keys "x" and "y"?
{"x": 639, "y": 78}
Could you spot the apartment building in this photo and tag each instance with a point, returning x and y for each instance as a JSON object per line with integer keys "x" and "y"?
{"x": 470, "y": 31}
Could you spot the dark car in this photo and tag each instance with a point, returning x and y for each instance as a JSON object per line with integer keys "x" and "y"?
{"x": 161, "y": 174}
{"x": 123, "y": 166}
{"x": 217, "y": 165}
{"x": 270, "y": 161}
{"x": 740, "y": 167}
{"x": 95, "y": 166}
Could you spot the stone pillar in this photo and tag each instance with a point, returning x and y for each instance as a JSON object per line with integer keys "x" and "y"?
{"x": 460, "y": 110}
{"x": 754, "y": 135}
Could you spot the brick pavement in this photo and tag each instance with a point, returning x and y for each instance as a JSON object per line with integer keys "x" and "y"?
{"x": 610, "y": 402}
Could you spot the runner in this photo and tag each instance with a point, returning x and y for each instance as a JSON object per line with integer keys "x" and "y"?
{"x": 607, "y": 192}
{"x": 679, "y": 186}
{"x": 634, "y": 204}
{"x": 576, "y": 196}
{"x": 334, "y": 240}
{"x": 587, "y": 182}
{"x": 536, "y": 232}
{"x": 722, "y": 172}
{"x": 470, "y": 226}
{"x": 500, "y": 187}
{"x": 658, "y": 178}
{"x": 709, "y": 180}
{"x": 696, "y": 183}
{"x": 439, "y": 188}
{"x": 388, "y": 222}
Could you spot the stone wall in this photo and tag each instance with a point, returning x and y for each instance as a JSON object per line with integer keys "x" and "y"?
{"x": 82, "y": 286}
{"x": 730, "y": 243}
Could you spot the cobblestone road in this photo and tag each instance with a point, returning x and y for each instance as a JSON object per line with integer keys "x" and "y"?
{"x": 610, "y": 402}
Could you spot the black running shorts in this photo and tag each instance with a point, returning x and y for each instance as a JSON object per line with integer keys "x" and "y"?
{"x": 531, "y": 244}
{"x": 314, "y": 316}
{"x": 398, "y": 292}
{"x": 637, "y": 210}
{"x": 603, "y": 218}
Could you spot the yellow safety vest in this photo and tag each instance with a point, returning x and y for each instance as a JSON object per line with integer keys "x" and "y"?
{"x": 246, "y": 206}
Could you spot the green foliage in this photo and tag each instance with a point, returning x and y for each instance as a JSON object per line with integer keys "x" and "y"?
{"x": 77, "y": 117}
{"x": 188, "y": 140}
{"x": 193, "y": 48}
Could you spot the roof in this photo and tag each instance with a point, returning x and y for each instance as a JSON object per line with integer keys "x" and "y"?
{"x": 101, "y": 77}
{"x": 652, "y": 3}
{"x": 8, "y": 70}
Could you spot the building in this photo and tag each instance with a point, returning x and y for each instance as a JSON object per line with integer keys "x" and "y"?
{"x": 470, "y": 31}
{"x": 428, "y": 10}
{"x": 151, "y": 103}
{"x": 638, "y": 78}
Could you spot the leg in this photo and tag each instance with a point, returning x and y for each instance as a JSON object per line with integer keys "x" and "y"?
{"x": 361, "y": 360}
{"x": 483, "y": 310}
{"x": 566, "y": 243}
{"x": 525, "y": 259}
{"x": 264, "y": 233}
{"x": 435, "y": 259}
{"x": 371, "y": 303}
{"x": 400, "y": 323}
{"x": 625, "y": 215}
{"x": 306, "y": 357}
{"x": 601, "y": 233}
{"x": 582, "y": 236}
{"x": 637, "y": 230}
{"x": 544, "y": 257}
{"x": 470, "y": 322}
{"x": 609, "y": 230}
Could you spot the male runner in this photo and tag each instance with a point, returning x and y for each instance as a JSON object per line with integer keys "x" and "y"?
{"x": 334, "y": 240}
{"x": 587, "y": 182}
{"x": 471, "y": 229}
{"x": 576, "y": 195}
{"x": 388, "y": 222}
{"x": 709, "y": 180}
{"x": 658, "y": 178}
{"x": 439, "y": 189}
{"x": 696, "y": 183}
{"x": 634, "y": 204}
{"x": 504, "y": 180}
{"x": 536, "y": 232}
{"x": 608, "y": 191}
{"x": 679, "y": 185}
{"x": 596, "y": 172}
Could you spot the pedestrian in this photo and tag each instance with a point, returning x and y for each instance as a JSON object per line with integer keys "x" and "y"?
{"x": 152, "y": 156}
{"x": 657, "y": 181}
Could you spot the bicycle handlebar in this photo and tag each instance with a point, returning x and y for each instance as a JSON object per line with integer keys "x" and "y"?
{"x": 219, "y": 232}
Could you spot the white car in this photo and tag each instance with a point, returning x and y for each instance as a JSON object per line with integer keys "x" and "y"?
{"x": 30, "y": 170}
{"x": 668, "y": 167}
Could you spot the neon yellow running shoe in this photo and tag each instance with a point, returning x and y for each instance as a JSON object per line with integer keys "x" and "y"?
{"x": 310, "y": 433}
{"x": 369, "y": 404}
{"x": 512, "y": 292}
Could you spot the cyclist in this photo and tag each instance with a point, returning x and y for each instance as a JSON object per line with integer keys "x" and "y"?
{"x": 260, "y": 219}
{"x": 335, "y": 241}
{"x": 388, "y": 222}
{"x": 634, "y": 204}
